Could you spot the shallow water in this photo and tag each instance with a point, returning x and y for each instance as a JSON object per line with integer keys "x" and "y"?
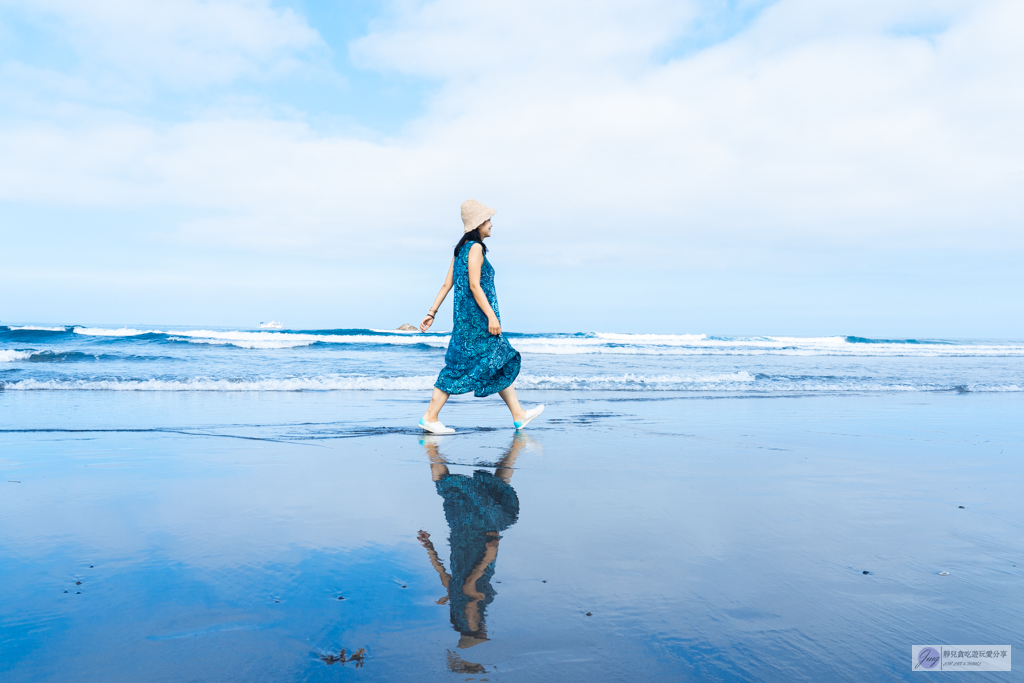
{"x": 708, "y": 538}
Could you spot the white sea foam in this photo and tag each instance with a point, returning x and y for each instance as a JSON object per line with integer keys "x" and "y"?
{"x": 270, "y": 340}
{"x": 107, "y": 332}
{"x": 741, "y": 381}
{"x": 650, "y": 338}
{"x": 10, "y": 355}
{"x": 318, "y": 383}
{"x": 398, "y": 338}
{"x": 248, "y": 344}
{"x": 702, "y": 345}
{"x": 631, "y": 381}
{"x": 37, "y": 328}
{"x": 237, "y": 338}
{"x": 281, "y": 340}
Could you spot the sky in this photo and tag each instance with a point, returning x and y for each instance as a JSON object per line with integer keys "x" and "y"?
{"x": 787, "y": 167}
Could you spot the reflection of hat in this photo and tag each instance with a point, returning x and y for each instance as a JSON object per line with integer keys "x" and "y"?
{"x": 467, "y": 641}
{"x": 474, "y": 214}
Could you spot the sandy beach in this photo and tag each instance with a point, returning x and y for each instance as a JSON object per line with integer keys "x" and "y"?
{"x": 190, "y": 536}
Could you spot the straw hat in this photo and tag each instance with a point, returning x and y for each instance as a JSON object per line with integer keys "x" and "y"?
{"x": 474, "y": 214}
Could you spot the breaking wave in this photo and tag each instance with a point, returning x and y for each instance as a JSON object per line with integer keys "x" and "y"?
{"x": 106, "y": 332}
{"x": 272, "y": 340}
{"x": 35, "y": 328}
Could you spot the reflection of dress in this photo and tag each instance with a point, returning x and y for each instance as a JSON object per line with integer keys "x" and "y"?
{"x": 473, "y": 507}
{"x": 476, "y": 360}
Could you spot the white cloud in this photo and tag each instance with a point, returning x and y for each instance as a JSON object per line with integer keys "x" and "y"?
{"x": 181, "y": 43}
{"x": 460, "y": 39}
{"x": 822, "y": 122}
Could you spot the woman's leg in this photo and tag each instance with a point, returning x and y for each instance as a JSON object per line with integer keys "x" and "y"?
{"x": 438, "y": 465}
{"x": 437, "y": 401}
{"x": 508, "y": 395}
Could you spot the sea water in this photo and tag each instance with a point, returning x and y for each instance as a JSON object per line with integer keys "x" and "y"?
{"x": 167, "y": 358}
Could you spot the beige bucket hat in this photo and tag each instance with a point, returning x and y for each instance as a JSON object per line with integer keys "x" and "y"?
{"x": 474, "y": 214}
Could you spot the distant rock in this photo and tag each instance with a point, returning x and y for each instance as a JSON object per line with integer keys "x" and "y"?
{"x": 406, "y": 327}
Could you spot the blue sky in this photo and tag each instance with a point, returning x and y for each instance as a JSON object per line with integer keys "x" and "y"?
{"x": 725, "y": 167}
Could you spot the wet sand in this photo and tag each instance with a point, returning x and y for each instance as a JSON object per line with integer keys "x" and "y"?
{"x": 708, "y": 538}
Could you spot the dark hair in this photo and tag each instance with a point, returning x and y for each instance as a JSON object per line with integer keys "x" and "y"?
{"x": 471, "y": 236}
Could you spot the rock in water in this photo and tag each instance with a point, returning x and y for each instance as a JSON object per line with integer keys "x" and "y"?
{"x": 406, "y": 327}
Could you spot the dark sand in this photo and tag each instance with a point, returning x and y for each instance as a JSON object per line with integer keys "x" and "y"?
{"x": 708, "y": 538}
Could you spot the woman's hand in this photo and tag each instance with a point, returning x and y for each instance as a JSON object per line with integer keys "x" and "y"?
{"x": 427, "y": 321}
{"x": 493, "y": 326}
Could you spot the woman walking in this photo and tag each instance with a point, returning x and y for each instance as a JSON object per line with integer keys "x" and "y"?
{"x": 479, "y": 358}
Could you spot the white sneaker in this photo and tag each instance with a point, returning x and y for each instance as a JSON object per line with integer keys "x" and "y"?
{"x": 435, "y": 427}
{"x": 530, "y": 414}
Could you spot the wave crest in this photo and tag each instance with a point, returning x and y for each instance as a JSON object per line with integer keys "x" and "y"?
{"x": 107, "y": 332}
{"x": 35, "y": 328}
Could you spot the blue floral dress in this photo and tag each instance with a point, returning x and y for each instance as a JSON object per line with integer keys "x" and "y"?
{"x": 476, "y": 360}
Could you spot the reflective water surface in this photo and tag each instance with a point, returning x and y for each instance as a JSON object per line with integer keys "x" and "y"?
{"x": 627, "y": 537}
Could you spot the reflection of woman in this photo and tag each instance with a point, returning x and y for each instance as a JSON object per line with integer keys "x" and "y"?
{"x": 477, "y": 509}
{"x": 479, "y": 358}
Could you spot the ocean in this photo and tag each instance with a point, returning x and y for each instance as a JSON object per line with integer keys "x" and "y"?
{"x": 169, "y": 358}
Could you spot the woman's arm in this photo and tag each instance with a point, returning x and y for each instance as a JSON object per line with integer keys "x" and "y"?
{"x": 424, "y": 539}
{"x": 428, "y": 319}
{"x": 446, "y": 578}
{"x": 476, "y": 262}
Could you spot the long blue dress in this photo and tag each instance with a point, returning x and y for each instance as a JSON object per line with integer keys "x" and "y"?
{"x": 476, "y": 360}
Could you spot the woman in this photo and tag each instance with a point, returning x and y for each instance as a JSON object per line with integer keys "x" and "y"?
{"x": 478, "y": 509}
{"x": 479, "y": 358}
